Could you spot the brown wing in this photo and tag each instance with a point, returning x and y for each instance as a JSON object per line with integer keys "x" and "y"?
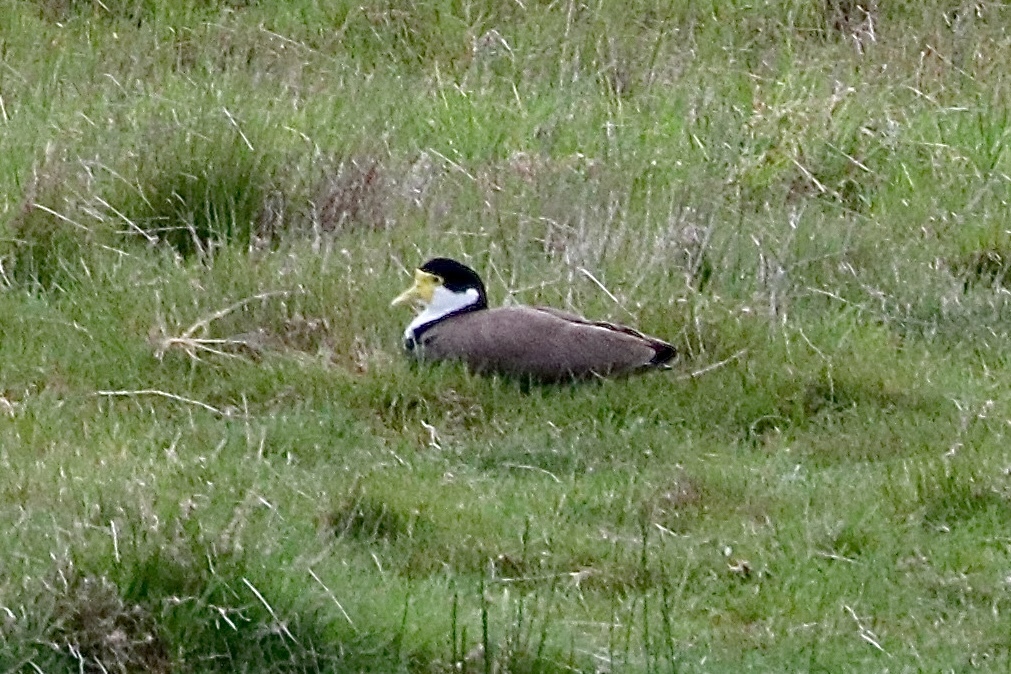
{"x": 618, "y": 327}
{"x": 546, "y": 345}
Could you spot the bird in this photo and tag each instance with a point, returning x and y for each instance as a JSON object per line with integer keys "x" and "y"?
{"x": 539, "y": 344}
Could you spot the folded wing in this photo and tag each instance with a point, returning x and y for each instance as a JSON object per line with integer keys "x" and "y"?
{"x": 544, "y": 344}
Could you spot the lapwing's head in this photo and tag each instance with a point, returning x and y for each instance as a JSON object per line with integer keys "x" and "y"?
{"x": 445, "y": 286}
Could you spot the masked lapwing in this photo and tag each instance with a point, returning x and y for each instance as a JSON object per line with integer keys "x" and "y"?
{"x": 536, "y": 343}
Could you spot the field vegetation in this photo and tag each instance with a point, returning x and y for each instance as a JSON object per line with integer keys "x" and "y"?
{"x": 214, "y": 457}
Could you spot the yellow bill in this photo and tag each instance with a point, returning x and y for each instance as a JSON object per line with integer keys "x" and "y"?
{"x": 422, "y": 290}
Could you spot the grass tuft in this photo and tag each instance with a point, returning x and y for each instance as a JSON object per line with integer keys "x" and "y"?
{"x": 196, "y": 191}
{"x": 953, "y": 496}
{"x": 49, "y": 248}
{"x": 93, "y": 627}
{"x": 987, "y": 267}
{"x": 353, "y": 194}
{"x": 370, "y": 518}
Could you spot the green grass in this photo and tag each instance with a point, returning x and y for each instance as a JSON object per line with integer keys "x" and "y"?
{"x": 807, "y": 198}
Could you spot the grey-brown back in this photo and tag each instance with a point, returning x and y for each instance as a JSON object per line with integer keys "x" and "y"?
{"x": 544, "y": 344}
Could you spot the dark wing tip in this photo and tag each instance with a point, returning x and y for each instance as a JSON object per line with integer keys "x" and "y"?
{"x": 664, "y": 354}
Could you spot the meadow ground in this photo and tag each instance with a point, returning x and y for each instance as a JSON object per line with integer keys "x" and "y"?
{"x": 213, "y": 456}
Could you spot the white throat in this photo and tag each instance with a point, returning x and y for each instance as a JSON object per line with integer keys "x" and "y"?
{"x": 444, "y": 302}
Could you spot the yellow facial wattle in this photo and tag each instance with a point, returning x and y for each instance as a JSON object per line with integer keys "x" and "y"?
{"x": 422, "y": 290}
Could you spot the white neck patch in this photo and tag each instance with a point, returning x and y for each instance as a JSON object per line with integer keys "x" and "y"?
{"x": 443, "y": 302}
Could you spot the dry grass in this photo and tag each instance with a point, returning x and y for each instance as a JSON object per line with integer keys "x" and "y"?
{"x": 94, "y": 626}
{"x": 350, "y": 196}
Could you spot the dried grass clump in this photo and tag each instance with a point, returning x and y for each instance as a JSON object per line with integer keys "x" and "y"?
{"x": 94, "y": 625}
{"x": 601, "y": 228}
{"x": 419, "y": 179}
{"x": 854, "y": 19}
{"x": 194, "y": 342}
{"x": 307, "y": 334}
{"x": 270, "y": 220}
{"x": 351, "y": 195}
